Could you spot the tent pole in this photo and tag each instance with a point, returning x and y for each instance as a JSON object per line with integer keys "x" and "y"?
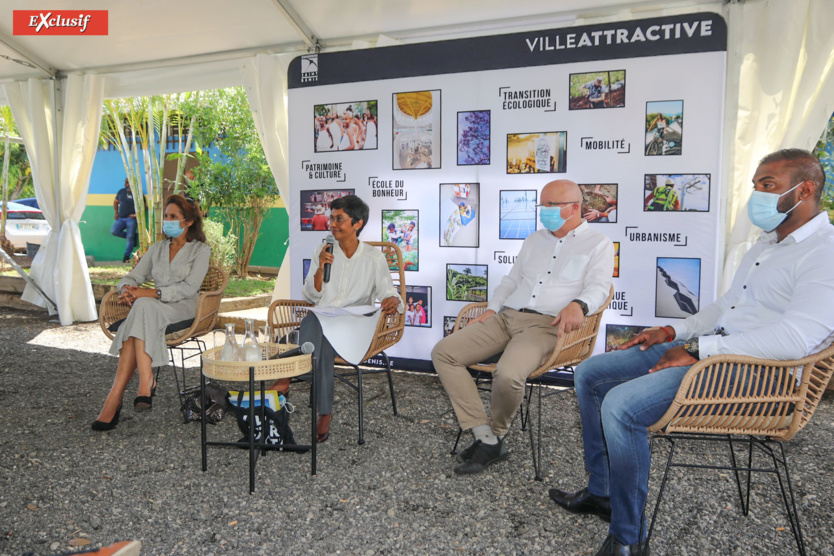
{"x": 28, "y": 278}
{"x": 299, "y": 24}
{"x": 29, "y": 59}
{"x": 57, "y": 118}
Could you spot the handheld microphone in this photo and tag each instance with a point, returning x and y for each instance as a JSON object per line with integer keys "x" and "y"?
{"x": 305, "y": 349}
{"x": 329, "y": 241}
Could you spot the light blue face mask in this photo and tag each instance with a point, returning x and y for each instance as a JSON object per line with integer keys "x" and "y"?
{"x": 551, "y": 218}
{"x": 763, "y": 211}
{"x": 171, "y": 228}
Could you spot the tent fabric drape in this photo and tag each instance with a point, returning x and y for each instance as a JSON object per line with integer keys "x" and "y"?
{"x": 61, "y": 176}
{"x": 265, "y": 82}
{"x": 785, "y": 97}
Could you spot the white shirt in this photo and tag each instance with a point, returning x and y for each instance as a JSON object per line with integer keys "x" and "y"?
{"x": 781, "y": 302}
{"x": 550, "y": 272}
{"x": 359, "y": 280}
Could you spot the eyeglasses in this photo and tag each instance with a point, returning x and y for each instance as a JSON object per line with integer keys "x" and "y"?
{"x": 338, "y": 219}
{"x": 553, "y": 204}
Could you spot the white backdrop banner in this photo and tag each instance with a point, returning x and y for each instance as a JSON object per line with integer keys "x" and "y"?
{"x": 451, "y": 142}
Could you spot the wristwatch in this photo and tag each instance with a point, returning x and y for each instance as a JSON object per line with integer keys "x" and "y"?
{"x": 158, "y": 293}
{"x": 583, "y": 305}
{"x": 691, "y": 348}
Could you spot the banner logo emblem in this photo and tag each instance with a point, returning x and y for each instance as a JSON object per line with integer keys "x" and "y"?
{"x": 309, "y": 68}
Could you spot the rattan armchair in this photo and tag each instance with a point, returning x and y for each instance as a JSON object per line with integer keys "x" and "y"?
{"x": 112, "y": 313}
{"x": 762, "y": 408}
{"x": 286, "y": 315}
{"x": 571, "y": 349}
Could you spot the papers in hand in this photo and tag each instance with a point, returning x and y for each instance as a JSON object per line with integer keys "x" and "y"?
{"x": 350, "y": 330}
{"x": 356, "y": 311}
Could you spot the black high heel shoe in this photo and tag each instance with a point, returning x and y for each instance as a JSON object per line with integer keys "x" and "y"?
{"x": 106, "y": 426}
{"x": 144, "y": 403}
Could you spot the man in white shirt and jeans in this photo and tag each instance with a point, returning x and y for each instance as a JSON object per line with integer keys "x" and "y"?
{"x": 779, "y": 306}
{"x": 562, "y": 273}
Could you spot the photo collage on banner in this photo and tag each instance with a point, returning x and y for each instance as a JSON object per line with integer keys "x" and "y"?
{"x": 402, "y": 227}
{"x": 315, "y": 208}
{"x": 460, "y": 202}
{"x": 458, "y": 138}
{"x": 349, "y": 126}
{"x": 416, "y": 142}
{"x": 605, "y": 89}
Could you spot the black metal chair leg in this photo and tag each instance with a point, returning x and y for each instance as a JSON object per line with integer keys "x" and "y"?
{"x": 203, "y": 417}
{"x": 750, "y": 441}
{"x": 790, "y": 508}
{"x": 390, "y": 382}
{"x": 457, "y": 441}
{"x": 662, "y": 484}
{"x": 176, "y": 373}
{"x": 535, "y": 448}
{"x": 744, "y": 497}
{"x": 538, "y": 469}
{"x": 361, "y": 405}
{"x": 525, "y": 410}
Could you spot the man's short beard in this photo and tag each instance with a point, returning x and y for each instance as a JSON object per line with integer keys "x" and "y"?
{"x": 784, "y": 205}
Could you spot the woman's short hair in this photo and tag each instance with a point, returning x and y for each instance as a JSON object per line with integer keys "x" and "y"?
{"x": 190, "y": 212}
{"x": 354, "y": 207}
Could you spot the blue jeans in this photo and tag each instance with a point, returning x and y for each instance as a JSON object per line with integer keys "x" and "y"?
{"x": 126, "y": 228}
{"x": 618, "y": 401}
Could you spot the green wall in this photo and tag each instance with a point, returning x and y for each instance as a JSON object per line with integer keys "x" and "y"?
{"x": 97, "y": 220}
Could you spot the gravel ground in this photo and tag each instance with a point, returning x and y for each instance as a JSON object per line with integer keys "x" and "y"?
{"x": 62, "y": 484}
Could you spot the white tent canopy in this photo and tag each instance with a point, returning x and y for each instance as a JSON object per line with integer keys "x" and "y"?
{"x": 780, "y": 86}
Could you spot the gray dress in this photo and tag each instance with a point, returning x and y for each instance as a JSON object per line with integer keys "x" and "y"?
{"x": 179, "y": 282}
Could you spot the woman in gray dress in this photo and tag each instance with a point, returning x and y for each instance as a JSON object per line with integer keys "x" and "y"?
{"x": 177, "y": 266}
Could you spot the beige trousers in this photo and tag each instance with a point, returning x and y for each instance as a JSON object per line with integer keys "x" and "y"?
{"x": 526, "y": 340}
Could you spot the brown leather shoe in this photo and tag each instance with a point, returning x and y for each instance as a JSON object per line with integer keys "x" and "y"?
{"x": 323, "y": 428}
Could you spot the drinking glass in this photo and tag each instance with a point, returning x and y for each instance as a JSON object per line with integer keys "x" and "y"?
{"x": 292, "y": 337}
{"x": 268, "y": 334}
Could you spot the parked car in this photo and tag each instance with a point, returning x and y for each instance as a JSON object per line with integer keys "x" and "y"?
{"x": 28, "y": 201}
{"x": 25, "y": 225}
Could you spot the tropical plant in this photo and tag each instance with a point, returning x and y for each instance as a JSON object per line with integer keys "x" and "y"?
{"x": 455, "y": 290}
{"x": 7, "y": 129}
{"x": 222, "y": 244}
{"x": 139, "y": 128}
{"x": 234, "y": 178}
{"x": 825, "y": 152}
{"x": 463, "y": 285}
{"x": 16, "y": 170}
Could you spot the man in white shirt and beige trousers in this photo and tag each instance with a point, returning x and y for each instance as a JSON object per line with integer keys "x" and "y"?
{"x": 562, "y": 273}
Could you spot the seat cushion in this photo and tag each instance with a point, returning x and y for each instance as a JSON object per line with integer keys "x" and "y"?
{"x": 172, "y": 328}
